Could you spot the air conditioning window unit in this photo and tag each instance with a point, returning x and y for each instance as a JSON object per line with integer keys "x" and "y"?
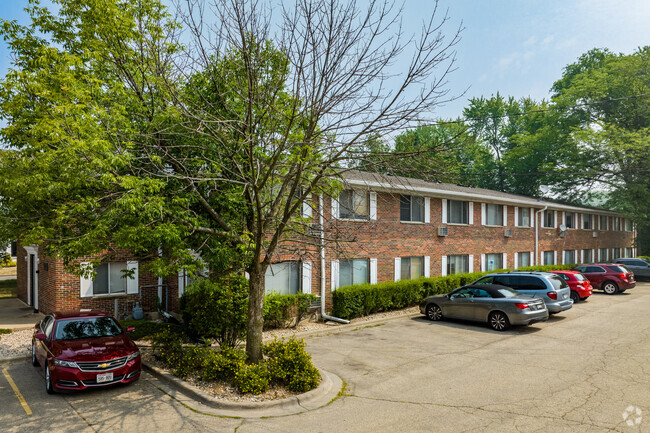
{"x": 595, "y": 234}
{"x": 443, "y": 231}
{"x": 508, "y": 233}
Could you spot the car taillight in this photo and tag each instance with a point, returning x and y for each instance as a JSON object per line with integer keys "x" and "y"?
{"x": 623, "y": 276}
{"x": 552, "y": 294}
{"x": 521, "y": 305}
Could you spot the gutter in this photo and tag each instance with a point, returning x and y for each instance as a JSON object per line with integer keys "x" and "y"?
{"x": 537, "y": 223}
{"x": 323, "y": 280}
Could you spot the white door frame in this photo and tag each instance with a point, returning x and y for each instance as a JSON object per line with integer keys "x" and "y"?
{"x": 32, "y": 249}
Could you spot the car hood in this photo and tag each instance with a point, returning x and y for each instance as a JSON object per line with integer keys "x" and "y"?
{"x": 95, "y": 349}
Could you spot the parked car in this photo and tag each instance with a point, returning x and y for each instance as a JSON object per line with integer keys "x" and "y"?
{"x": 639, "y": 267}
{"x": 579, "y": 284}
{"x": 82, "y": 349}
{"x": 550, "y": 287}
{"x": 499, "y": 306}
{"x": 608, "y": 277}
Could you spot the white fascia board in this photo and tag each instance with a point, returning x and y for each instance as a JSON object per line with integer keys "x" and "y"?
{"x": 455, "y": 195}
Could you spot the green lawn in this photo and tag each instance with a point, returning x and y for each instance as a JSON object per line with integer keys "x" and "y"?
{"x": 8, "y": 289}
{"x": 7, "y": 271}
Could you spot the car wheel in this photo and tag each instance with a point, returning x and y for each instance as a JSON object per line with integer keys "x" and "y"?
{"x": 610, "y": 287}
{"x": 34, "y": 360}
{"x": 48, "y": 382}
{"x": 498, "y": 321}
{"x": 433, "y": 312}
{"x": 575, "y": 297}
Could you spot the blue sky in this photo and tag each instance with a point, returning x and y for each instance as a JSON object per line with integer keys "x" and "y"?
{"x": 517, "y": 48}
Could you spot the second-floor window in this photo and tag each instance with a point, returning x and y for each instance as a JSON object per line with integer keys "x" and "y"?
{"x": 353, "y": 205}
{"x": 603, "y": 222}
{"x": 458, "y": 212}
{"x": 523, "y": 217}
{"x": 549, "y": 219}
{"x": 411, "y": 208}
{"x": 628, "y": 225}
{"x": 570, "y": 220}
{"x": 587, "y": 221}
{"x": 494, "y": 214}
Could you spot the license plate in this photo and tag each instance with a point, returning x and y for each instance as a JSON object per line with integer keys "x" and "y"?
{"x": 104, "y": 377}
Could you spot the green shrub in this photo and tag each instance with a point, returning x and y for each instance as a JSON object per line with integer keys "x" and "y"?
{"x": 223, "y": 365}
{"x": 252, "y": 378}
{"x": 290, "y": 365}
{"x": 360, "y": 300}
{"x": 283, "y": 311}
{"x": 145, "y": 328}
{"x": 645, "y": 257}
{"x": 217, "y": 309}
{"x": 168, "y": 345}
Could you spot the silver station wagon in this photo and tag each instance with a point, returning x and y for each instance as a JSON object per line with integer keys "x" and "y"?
{"x": 555, "y": 292}
{"x": 499, "y": 306}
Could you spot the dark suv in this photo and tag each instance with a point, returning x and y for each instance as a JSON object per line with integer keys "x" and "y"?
{"x": 608, "y": 277}
{"x": 550, "y": 287}
{"x": 640, "y": 267}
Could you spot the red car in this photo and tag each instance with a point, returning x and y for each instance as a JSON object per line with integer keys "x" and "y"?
{"x": 580, "y": 286}
{"x": 608, "y": 277}
{"x": 82, "y": 349}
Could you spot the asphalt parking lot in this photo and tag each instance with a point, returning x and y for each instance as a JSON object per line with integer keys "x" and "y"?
{"x": 585, "y": 370}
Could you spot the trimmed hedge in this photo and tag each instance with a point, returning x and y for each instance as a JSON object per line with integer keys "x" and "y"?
{"x": 284, "y": 311}
{"x": 363, "y": 299}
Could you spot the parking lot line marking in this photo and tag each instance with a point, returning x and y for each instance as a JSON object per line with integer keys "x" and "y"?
{"x": 21, "y": 399}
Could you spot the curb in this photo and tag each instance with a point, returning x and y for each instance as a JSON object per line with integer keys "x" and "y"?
{"x": 329, "y": 389}
{"x": 15, "y": 358}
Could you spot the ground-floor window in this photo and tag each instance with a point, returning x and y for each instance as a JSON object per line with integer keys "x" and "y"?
{"x": 411, "y": 268}
{"x": 493, "y": 261}
{"x": 629, "y": 252}
{"x": 549, "y": 258}
{"x": 523, "y": 259}
{"x": 603, "y": 255}
{"x": 282, "y": 278}
{"x": 569, "y": 257}
{"x": 353, "y": 271}
{"x": 616, "y": 253}
{"x": 109, "y": 278}
{"x": 458, "y": 264}
{"x": 587, "y": 256}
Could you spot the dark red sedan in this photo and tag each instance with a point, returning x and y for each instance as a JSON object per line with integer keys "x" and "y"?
{"x": 580, "y": 286}
{"x": 82, "y": 349}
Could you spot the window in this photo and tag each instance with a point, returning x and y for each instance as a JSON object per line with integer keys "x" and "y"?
{"x": 493, "y": 261}
{"x": 587, "y": 221}
{"x": 457, "y": 264}
{"x": 411, "y": 268}
{"x": 570, "y": 220}
{"x": 628, "y": 252}
{"x": 628, "y": 225}
{"x": 549, "y": 219}
{"x": 617, "y": 224}
{"x": 46, "y": 326}
{"x": 602, "y": 221}
{"x": 587, "y": 256}
{"x": 353, "y": 271}
{"x": 603, "y": 255}
{"x": 458, "y": 212}
{"x": 523, "y": 259}
{"x": 616, "y": 253}
{"x": 549, "y": 258}
{"x": 569, "y": 257}
{"x": 523, "y": 217}
{"x": 109, "y": 278}
{"x": 282, "y": 278}
{"x": 411, "y": 208}
{"x": 493, "y": 214}
{"x": 353, "y": 205}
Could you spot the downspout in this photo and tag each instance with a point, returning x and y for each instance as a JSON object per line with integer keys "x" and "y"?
{"x": 537, "y": 223}
{"x": 323, "y": 280}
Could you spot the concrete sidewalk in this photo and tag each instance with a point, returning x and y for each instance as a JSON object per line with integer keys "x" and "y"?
{"x": 15, "y": 314}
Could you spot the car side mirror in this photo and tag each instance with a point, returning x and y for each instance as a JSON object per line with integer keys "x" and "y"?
{"x": 40, "y": 337}
{"x": 130, "y": 329}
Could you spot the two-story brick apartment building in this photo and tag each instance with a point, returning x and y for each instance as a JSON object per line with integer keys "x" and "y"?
{"x": 387, "y": 228}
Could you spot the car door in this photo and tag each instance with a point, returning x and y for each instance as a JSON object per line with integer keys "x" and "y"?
{"x": 483, "y": 303}
{"x": 41, "y": 347}
{"x": 460, "y": 305}
{"x": 595, "y": 274}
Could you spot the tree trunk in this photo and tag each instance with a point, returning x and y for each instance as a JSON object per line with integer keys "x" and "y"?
{"x": 255, "y": 314}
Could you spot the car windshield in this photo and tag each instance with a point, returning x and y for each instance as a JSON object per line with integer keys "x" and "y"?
{"x": 580, "y": 277}
{"x": 508, "y": 293}
{"x": 621, "y": 269}
{"x": 91, "y": 327}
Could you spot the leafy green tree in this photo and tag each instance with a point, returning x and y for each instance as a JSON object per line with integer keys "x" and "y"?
{"x": 120, "y": 137}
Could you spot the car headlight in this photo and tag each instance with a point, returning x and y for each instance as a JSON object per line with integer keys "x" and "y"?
{"x": 61, "y": 363}
{"x": 133, "y": 355}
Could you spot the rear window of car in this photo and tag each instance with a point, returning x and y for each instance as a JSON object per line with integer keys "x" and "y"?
{"x": 620, "y": 269}
{"x": 557, "y": 282}
{"x": 580, "y": 277}
{"x": 90, "y": 327}
{"x": 507, "y": 293}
